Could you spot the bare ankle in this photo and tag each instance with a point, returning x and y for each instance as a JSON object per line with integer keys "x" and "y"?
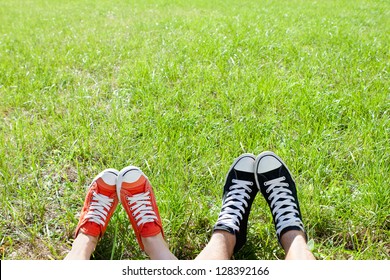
{"x": 157, "y": 248}
{"x": 295, "y": 245}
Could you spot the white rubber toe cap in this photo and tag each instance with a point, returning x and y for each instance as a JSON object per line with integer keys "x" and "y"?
{"x": 245, "y": 164}
{"x": 132, "y": 175}
{"x": 268, "y": 163}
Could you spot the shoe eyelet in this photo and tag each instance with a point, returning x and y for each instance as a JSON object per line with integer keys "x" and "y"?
{"x": 133, "y": 215}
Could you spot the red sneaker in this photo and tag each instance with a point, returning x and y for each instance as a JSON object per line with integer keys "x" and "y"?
{"x": 136, "y": 195}
{"x": 99, "y": 204}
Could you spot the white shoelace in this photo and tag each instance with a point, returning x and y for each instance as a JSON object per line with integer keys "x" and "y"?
{"x": 238, "y": 194}
{"x": 100, "y": 206}
{"x": 141, "y": 208}
{"x": 283, "y": 205}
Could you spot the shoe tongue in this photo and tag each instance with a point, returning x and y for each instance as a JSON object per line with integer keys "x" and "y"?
{"x": 150, "y": 229}
{"x": 91, "y": 228}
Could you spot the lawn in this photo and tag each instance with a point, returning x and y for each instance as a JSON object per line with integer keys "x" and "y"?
{"x": 180, "y": 89}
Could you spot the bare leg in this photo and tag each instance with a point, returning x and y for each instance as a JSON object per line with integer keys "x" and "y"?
{"x": 220, "y": 246}
{"x": 82, "y": 247}
{"x": 157, "y": 248}
{"x": 295, "y": 246}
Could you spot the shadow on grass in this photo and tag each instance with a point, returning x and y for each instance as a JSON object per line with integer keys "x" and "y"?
{"x": 124, "y": 246}
{"x": 119, "y": 242}
{"x": 257, "y": 248}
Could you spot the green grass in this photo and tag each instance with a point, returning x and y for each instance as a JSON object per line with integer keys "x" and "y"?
{"x": 181, "y": 88}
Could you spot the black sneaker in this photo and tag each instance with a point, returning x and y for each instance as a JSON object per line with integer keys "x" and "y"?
{"x": 275, "y": 182}
{"x": 238, "y": 194}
